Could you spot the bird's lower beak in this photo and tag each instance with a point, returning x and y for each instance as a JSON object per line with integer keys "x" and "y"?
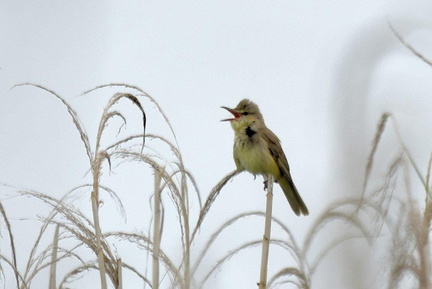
{"x": 234, "y": 113}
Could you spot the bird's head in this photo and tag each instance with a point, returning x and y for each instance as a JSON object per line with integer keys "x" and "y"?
{"x": 245, "y": 114}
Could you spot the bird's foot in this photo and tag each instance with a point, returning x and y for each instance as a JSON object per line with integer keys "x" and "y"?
{"x": 265, "y": 185}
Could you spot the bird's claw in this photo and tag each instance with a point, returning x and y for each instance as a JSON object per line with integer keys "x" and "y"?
{"x": 265, "y": 185}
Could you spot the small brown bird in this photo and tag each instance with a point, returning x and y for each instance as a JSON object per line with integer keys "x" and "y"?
{"x": 258, "y": 151}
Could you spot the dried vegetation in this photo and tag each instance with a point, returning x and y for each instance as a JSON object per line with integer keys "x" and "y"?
{"x": 384, "y": 211}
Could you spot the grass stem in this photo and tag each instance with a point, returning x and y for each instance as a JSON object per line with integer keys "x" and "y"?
{"x": 95, "y": 211}
{"x": 267, "y": 232}
{"x": 156, "y": 228}
{"x": 53, "y": 266}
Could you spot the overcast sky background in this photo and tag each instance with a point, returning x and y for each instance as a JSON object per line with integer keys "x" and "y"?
{"x": 322, "y": 73}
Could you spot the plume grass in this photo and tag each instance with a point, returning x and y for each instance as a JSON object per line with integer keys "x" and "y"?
{"x": 71, "y": 243}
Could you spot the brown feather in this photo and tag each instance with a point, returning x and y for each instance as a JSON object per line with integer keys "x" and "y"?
{"x": 284, "y": 179}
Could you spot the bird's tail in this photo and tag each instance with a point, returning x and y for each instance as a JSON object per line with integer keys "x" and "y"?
{"x": 293, "y": 197}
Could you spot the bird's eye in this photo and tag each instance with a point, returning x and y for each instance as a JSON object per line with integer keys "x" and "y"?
{"x": 245, "y": 113}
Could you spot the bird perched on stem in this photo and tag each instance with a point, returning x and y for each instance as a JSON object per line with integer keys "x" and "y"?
{"x": 258, "y": 151}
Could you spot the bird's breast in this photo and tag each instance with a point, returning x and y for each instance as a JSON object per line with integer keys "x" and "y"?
{"x": 254, "y": 157}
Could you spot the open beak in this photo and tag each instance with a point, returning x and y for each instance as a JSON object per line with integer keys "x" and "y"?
{"x": 233, "y": 112}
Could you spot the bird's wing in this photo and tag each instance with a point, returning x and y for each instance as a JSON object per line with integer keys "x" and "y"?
{"x": 273, "y": 143}
{"x": 285, "y": 180}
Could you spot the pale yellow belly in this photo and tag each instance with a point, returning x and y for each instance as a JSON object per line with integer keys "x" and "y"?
{"x": 256, "y": 160}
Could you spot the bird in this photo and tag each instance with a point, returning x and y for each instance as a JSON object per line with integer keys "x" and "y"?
{"x": 258, "y": 150}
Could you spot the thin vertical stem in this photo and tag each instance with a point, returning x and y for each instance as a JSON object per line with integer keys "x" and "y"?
{"x": 53, "y": 266}
{"x": 95, "y": 209}
{"x": 120, "y": 274}
{"x": 187, "y": 252}
{"x": 267, "y": 233}
{"x": 156, "y": 228}
{"x": 423, "y": 247}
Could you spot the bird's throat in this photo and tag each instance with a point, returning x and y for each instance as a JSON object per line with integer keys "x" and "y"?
{"x": 250, "y": 132}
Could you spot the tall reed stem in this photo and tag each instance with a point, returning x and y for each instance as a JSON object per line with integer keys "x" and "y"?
{"x": 119, "y": 274}
{"x": 156, "y": 228}
{"x": 95, "y": 209}
{"x": 267, "y": 232}
{"x": 53, "y": 266}
{"x": 423, "y": 247}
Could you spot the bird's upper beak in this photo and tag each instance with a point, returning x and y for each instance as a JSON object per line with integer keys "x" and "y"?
{"x": 234, "y": 113}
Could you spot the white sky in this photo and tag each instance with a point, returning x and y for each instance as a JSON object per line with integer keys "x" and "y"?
{"x": 322, "y": 73}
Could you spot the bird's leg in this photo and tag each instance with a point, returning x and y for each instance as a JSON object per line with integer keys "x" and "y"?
{"x": 265, "y": 182}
